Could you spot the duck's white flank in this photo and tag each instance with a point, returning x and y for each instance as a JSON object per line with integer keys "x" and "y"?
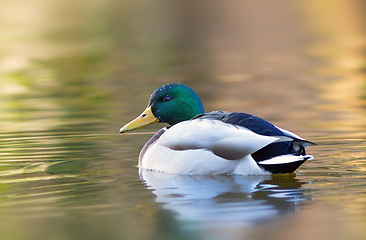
{"x": 203, "y": 146}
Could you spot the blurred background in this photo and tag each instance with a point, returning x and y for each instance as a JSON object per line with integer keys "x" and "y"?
{"x": 73, "y": 72}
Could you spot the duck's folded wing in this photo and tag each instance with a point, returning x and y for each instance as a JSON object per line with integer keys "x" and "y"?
{"x": 224, "y": 140}
{"x": 233, "y": 148}
{"x": 297, "y": 139}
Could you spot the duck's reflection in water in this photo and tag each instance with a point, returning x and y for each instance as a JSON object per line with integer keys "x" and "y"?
{"x": 219, "y": 202}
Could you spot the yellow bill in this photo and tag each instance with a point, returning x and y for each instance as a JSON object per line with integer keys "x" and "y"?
{"x": 143, "y": 120}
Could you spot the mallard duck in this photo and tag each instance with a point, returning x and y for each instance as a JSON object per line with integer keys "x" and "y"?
{"x": 211, "y": 143}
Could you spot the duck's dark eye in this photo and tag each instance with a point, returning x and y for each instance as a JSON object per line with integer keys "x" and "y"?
{"x": 167, "y": 98}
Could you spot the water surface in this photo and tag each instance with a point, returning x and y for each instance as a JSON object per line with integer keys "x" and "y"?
{"x": 73, "y": 74}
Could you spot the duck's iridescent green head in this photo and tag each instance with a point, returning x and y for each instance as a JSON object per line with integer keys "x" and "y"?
{"x": 171, "y": 103}
{"x": 174, "y": 103}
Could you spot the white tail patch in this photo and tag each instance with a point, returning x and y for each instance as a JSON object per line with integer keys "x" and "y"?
{"x": 285, "y": 159}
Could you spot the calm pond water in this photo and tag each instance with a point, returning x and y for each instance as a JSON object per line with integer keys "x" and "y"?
{"x": 72, "y": 73}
